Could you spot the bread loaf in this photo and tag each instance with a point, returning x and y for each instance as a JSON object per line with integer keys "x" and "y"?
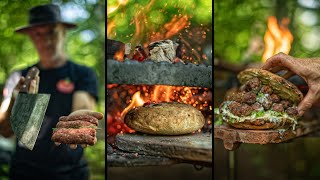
{"x": 169, "y": 118}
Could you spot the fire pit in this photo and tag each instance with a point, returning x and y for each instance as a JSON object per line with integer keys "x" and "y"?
{"x": 156, "y": 82}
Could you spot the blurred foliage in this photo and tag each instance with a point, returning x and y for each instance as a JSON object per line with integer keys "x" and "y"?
{"x": 4, "y": 171}
{"x": 96, "y": 158}
{"x": 84, "y": 45}
{"x": 240, "y": 23}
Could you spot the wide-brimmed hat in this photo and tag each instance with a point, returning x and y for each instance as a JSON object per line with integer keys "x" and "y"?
{"x": 44, "y": 14}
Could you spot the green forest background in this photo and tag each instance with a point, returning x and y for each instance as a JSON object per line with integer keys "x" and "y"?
{"x": 241, "y": 24}
{"x": 84, "y": 45}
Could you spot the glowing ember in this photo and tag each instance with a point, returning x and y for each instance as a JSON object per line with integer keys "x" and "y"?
{"x": 119, "y": 56}
{"x": 277, "y": 38}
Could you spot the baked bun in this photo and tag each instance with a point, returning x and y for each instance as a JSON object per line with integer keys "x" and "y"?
{"x": 170, "y": 118}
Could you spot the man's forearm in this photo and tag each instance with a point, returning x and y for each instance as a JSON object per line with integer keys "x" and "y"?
{"x": 5, "y": 125}
{"x": 83, "y": 100}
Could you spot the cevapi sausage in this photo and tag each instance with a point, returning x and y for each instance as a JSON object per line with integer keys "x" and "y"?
{"x": 74, "y": 136}
{"x": 87, "y": 118}
{"x": 89, "y": 131}
{"x": 74, "y": 124}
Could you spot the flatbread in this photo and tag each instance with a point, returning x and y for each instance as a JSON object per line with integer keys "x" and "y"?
{"x": 169, "y": 118}
{"x": 285, "y": 89}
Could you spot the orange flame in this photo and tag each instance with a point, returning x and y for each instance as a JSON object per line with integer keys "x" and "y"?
{"x": 164, "y": 91}
{"x": 175, "y": 25}
{"x": 168, "y": 93}
{"x": 277, "y": 38}
{"x": 136, "y": 101}
{"x": 155, "y": 93}
{"x": 119, "y": 56}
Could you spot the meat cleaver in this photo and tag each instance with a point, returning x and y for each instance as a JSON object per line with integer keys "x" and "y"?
{"x": 28, "y": 112}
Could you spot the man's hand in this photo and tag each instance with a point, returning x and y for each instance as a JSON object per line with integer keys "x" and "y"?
{"x": 79, "y": 127}
{"x": 7, "y": 105}
{"x": 307, "y": 68}
{"x": 33, "y": 89}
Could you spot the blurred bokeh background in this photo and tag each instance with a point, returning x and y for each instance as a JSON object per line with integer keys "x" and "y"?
{"x": 246, "y": 32}
{"x": 84, "y": 45}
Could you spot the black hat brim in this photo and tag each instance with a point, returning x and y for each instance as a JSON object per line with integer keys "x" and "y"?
{"x": 25, "y": 29}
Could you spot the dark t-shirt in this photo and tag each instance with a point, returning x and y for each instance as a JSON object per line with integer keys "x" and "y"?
{"x": 46, "y": 157}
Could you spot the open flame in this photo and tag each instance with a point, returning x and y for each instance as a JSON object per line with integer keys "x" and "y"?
{"x": 136, "y": 101}
{"x": 161, "y": 93}
{"x": 277, "y": 38}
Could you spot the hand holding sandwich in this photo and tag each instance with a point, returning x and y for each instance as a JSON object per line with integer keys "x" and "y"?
{"x": 79, "y": 127}
{"x": 306, "y": 68}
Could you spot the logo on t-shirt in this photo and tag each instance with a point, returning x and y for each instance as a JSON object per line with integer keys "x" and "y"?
{"x": 65, "y": 86}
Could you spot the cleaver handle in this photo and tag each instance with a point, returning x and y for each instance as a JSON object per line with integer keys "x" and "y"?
{"x": 32, "y": 73}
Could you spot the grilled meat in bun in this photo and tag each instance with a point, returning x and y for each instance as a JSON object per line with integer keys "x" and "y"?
{"x": 264, "y": 101}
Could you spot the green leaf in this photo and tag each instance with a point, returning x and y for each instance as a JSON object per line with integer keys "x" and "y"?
{"x": 275, "y": 113}
{"x": 260, "y": 113}
{"x": 218, "y": 122}
{"x": 260, "y": 95}
{"x": 216, "y": 111}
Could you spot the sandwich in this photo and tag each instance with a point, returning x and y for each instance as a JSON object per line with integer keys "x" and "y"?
{"x": 263, "y": 101}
